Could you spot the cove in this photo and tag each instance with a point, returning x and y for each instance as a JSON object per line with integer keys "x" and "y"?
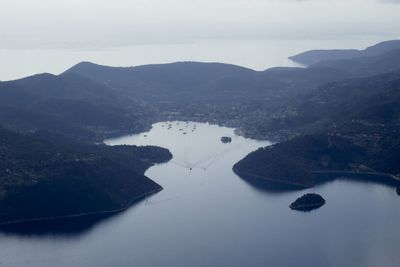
{"x": 208, "y": 216}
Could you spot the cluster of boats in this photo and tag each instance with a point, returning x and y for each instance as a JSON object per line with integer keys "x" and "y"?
{"x": 184, "y": 131}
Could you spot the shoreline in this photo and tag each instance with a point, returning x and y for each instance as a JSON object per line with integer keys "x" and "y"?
{"x": 237, "y": 128}
{"x": 392, "y": 179}
{"x": 381, "y": 174}
{"x": 309, "y": 206}
{"x": 83, "y": 214}
{"x": 271, "y": 180}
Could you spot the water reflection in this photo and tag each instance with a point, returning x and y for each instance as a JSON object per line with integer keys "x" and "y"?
{"x": 382, "y": 179}
{"x": 268, "y": 187}
{"x": 67, "y": 227}
{"x": 278, "y": 188}
{"x": 211, "y": 217}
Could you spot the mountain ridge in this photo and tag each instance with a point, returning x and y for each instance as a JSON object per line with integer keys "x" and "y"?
{"x": 315, "y": 56}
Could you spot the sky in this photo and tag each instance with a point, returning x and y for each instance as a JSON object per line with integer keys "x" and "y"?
{"x": 105, "y": 23}
{"x": 101, "y": 25}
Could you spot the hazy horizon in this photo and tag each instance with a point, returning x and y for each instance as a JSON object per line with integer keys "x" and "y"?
{"x": 50, "y": 36}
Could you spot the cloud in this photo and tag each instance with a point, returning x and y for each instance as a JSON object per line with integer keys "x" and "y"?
{"x": 107, "y": 24}
{"x": 390, "y": 1}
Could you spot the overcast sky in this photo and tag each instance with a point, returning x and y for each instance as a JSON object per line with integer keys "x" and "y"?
{"x": 52, "y": 35}
{"x": 109, "y": 23}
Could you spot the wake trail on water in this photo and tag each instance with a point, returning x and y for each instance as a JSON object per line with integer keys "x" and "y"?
{"x": 203, "y": 163}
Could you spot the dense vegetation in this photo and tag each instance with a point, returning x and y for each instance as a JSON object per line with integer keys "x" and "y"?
{"x": 351, "y": 126}
{"x": 41, "y": 179}
{"x": 293, "y": 162}
{"x": 258, "y": 103}
{"x": 221, "y": 93}
{"x": 337, "y": 115}
{"x": 70, "y": 105}
{"x": 308, "y": 202}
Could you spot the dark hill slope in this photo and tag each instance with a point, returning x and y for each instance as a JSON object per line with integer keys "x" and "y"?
{"x": 41, "y": 179}
{"x": 292, "y": 163}
{"x": 222, "y": 93}
{"x": 353, "y": 126}
{"x": 373, "y": 98}
{"x": 69, "y": 104}
{"x": 365, "y": 66}
{"x": 215, "y": 82}
{"x": 164, "y": 81}
{"x": 249, "y": 100}
{"x": 183, "y": 83}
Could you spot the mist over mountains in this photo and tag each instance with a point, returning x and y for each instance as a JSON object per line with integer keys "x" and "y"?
{"x": 343, "y": 103}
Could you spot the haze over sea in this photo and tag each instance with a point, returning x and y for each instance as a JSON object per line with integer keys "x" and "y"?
{"x": 51, "y": 36}
{"x": 254, "y": 54}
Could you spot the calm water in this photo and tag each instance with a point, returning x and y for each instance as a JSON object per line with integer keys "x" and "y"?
{"x": 207, "y": 216}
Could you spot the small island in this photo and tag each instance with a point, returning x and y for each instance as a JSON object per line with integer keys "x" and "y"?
{"x": 226, "y": 139}
{"x": 398, "y": 190}
{"x": 308, "y": 202}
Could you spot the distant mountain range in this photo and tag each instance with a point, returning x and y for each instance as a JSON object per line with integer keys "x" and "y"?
{"x": 315, "y": 56}
{"x": 227, "y": 94}
{"x": 89, "y": 102}
{"x": 341, "y": 113}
